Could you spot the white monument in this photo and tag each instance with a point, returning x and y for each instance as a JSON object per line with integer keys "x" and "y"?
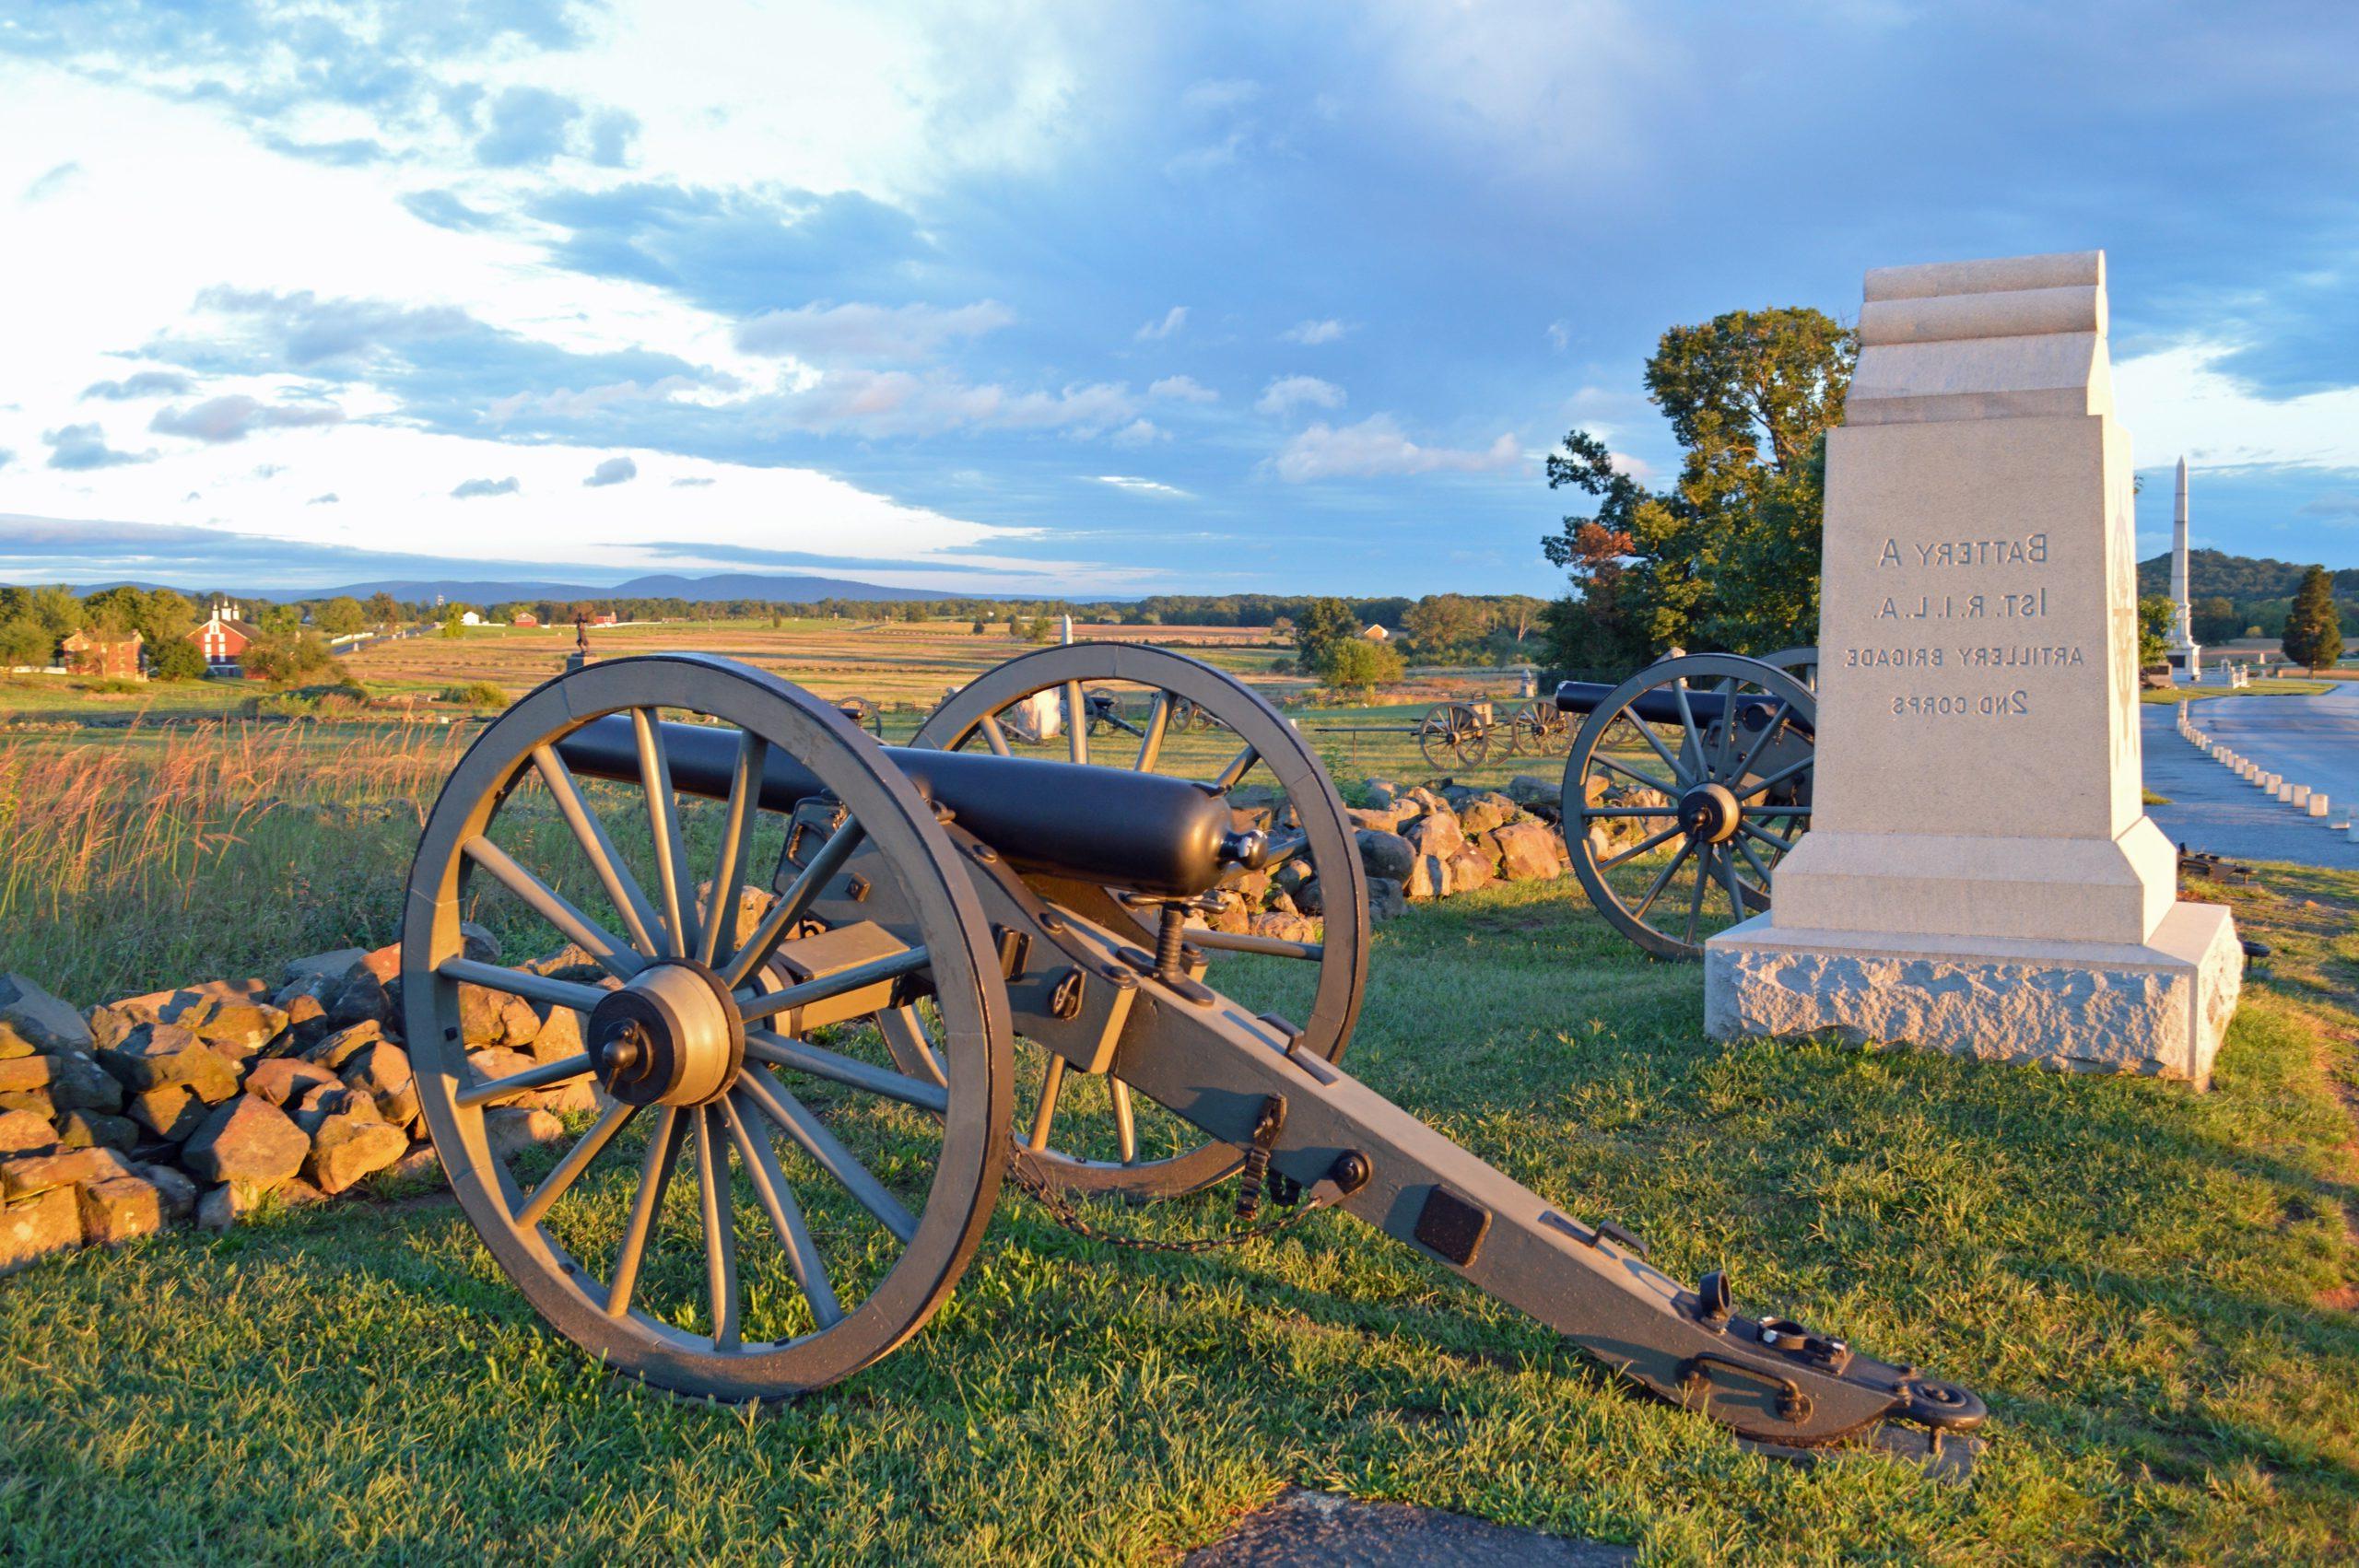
{"x": 2186, "y": 659}
{"x": 1981, "y": 875}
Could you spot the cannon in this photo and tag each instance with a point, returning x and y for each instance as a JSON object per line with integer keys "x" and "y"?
{"x": 1686, "y": 785}
{"x": 970, "y": 964}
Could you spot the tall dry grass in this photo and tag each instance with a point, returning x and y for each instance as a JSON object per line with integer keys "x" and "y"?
{"x": 155, "y": 858}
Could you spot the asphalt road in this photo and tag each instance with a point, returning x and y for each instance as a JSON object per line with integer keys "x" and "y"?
{"x": 2311, "y": 740}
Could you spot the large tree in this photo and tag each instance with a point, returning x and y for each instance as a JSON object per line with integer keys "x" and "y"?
{"x": 1442, "y": 624}
{"x": 1728, "y": 555}
{"x": 2313, "y": 631}
{"x": 1322, "y": 624}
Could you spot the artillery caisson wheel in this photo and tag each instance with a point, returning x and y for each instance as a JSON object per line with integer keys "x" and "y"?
{"x": 1685, "y": 787}
{"x": 1452, "y": 735}
{"x": 1801, "y": 663}
{"x": 833, "y": 1202}
{"x": 1536, "y": 729}
{"x": 1104, "y": 1141}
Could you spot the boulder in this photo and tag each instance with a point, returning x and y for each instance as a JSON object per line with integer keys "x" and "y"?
{"x": 232, "y": 1201}
{"x": 1436, "y": 835}
{"x": 481, "y": 1012}
{"x": 34, "y": 1100}
{"x": 1530, "y": 852}
{"x": 1285, "y": 928}
{"x": 22, "y": 1074}
{"x": 509, "y": 1129}
{"x": 1484, "y": 811}
{"x": 337, "y": 1100}
{"x": 49, "y": 1023}
{"x": 240, "y": 1029}
{"x": 362, "y": 999}
{"x": 1428, "y": 878}
{"x": 39, "y": 1227}
{"x": 559, "y": 1036}
{"x": 333, "y": 968}
{"x": 22, "y": 1132}
{"x": 1470, "y": 868}
{"x": 170, "y": 1113}
{"x": 518, "y": 1022}
{"x": 335, "y": 1049}
{"x": 27, "y": 1175}
{"x": 161, "y": 1055}
{"x": 96, "y": 1129}
{"x": 1425, "y": 803}
{"x": 249, "y": 1141}
{"x": 348, "y": 1148}
{"x": 306, "y": 1024}
{"x": 1385, "y": 898}
{"x": 498, "y": 1062}
{"x": 1384, "y": 854}
{"x": 284, "y": 1079}
{"x": 1382, "y": 793}
{"x": 1373, "y": 821}
{"x": 108, "y": 1028}
{"x": 76, "y": 1083}
{"x": 121, "y": 1209}
{"x": 1525, "y": 789}
{"x": 382, "y": 1072}
{"x": 14, "y": 1047}
{"x": 174, "y": 1191}
{"x": 419, "y": 1162}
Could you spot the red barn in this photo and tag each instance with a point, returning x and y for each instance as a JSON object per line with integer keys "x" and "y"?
{"x": 223, "y": 638}
{"x": 109, "y": 658}
{"x": 525, "y": 618}
{"x": 605, "y": 618}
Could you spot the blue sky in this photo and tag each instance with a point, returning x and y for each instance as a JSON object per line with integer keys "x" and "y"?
{"x": 1079, "y": 298}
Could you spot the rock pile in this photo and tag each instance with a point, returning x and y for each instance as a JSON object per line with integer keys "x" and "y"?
{"x": 198, "y": 1104}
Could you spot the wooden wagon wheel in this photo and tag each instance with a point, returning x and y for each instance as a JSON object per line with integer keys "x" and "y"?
{"x": 856, "y": 1227}
{"x": 1686, "y": 786}
{"x": 1536, "y": 729}
{"x": 1110, "y": 1153}
{"x": 1451, "y": 735}
{"x": 1801, "y": 663}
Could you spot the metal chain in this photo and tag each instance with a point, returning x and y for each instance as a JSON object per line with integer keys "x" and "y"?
{"x": 1061, "y": 1210}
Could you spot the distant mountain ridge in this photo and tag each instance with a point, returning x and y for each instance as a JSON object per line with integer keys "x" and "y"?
{"x": 720, "y": 585}
{"x": 2239, "y": 579}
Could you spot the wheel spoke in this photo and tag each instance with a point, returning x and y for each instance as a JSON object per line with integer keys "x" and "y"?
{"x": 1640, "y": 848}
{"x": 1798, "y": 765}
{"x": 755, "y": 1153}
{"x": 781, "y": 1050}
{"x": 1646, "y": 732}
{"x": 901, "y": 1026}
{"x": 522, "y": 982}
{"x": 1727, "y": 694}
{"x": 590, "y": 833}
{"x": 1238, "y": 767}
{"x": 1126, "y": 1127}
{"x": 654, "y": 1175}
{"x": 576, "y": 1160}
{"x": 1782, "y": 845}
{"x": 892, "y": 967}
{"x": 995, "y": 737}
{"x": 1687, "y": 723}
{"x": 1670, "y": 792}
{"x": 1159, "y": 719}
{"x": 826, "y": 862}
{"x": 1753, "y": 856}
{"x": 609, "y": 950}
{"x": 736, "y": 843}
{"x": 1662, "y": 880}
{"x": 1076, "y": 724}
{"x": 1695, "y": 900}
{"x": 1053, "y": 1086}
{"x": 521, "y": 1082}
{"x": 719, "y": 1228}
{"x": 664, "y": 827}
{"x": 772, "y": 1100}
{"x": 1760, "y": 742}
{"x": 1736, "y": 893}
{"x": 1588, "y": 812}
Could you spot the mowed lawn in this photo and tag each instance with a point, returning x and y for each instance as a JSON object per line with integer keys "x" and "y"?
{"x": 2136, "y": 1276}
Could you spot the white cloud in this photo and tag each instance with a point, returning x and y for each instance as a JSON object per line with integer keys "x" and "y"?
{"x": 869, "y": 332}
{"x": 1173, "y": 320}
{"x": 897, "y": 403}
{"x": 1139, "y": 433}
{"x": 1314, "y": 332}
{"x": 1138, "y": 487}
{"x": 1559, "y": 333}
{"x": 2177, "y": 400}
{"x": 1287, "y": 394}
{"x": 1377, "y": 446}
{"x": 1182, "y": 388}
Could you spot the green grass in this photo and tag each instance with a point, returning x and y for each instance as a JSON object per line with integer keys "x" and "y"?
{"x": 2262, "y": 686}
{"x": 2128, "y": 1271}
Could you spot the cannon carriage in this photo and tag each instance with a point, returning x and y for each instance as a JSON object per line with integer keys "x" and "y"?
{"x": 964, "y": 964}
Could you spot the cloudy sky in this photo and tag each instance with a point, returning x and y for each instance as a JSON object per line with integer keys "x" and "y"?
{"x": 1089, "y": 298}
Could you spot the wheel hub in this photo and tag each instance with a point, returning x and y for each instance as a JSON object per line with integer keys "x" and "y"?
{"x": 1710, "y": 813}
{"x": 671, "y": 1037}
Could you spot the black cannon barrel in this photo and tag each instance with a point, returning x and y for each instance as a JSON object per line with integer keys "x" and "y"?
{"x": 1660, "y": 706}
{"x": 1145, "y": 831}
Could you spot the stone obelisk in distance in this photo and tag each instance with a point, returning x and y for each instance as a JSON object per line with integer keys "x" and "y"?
{"x": 2186, "y": 659}
{"x": 1979, "y": 876}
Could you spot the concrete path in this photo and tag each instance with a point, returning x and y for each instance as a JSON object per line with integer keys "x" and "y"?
{"x": 2310, "y": 740}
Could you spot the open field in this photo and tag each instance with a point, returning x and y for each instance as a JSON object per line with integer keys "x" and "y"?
{"x": 2269, "y": 685}
{"x": 2152, "y": 1287}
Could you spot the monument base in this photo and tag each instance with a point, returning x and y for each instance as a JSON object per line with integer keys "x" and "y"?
{"x": 2158, "y": 1008}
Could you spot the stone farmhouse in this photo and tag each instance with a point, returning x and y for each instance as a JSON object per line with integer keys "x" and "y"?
{"x": 108, "y": 658}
